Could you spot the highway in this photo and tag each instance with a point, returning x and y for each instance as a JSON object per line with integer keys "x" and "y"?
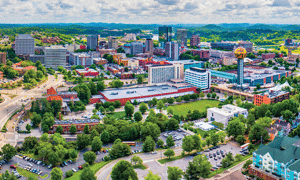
{"x": 9, "y": 106}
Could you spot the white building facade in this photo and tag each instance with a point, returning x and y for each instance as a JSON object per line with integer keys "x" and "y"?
{"x": 198, "y": 77}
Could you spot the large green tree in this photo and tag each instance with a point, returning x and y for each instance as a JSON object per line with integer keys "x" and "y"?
{"x": 174, "y": 173}
{"x": 199, "y": 167}
{"x": 235, "y": 128}
{"x": 149, "y": 144}
{"x": 8, "y": 151}
{"x": 87, "y": 174}
{"x": 96, "y": 144}
{"x": 89, "y": 157}
{"x": 123, "y": 170}
{"x": 56, "y": 174}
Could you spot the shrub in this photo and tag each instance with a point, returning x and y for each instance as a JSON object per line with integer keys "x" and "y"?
{"x": 69, "y": 173}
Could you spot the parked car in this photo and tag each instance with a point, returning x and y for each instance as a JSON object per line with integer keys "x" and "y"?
{"x": 50, "y": 166}
{"x": 79, "y": 167}
{"x": 73, "y": 170}
{"x": 13, "y": 166}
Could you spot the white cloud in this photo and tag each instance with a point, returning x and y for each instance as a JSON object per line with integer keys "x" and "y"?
{"x": 150, "y": 11}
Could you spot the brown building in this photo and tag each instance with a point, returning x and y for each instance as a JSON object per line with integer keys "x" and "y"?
{"x": 3, "y": 57}
{"x": 1, "y": 75}
{"x": 262, "y": 174}
{"x": 203, "y": 54}
{"x": 80, "y": 124}
{"x": 271, "y": 98}
{"x": 194, "y": 40}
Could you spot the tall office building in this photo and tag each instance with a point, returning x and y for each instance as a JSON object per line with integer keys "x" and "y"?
{"x": 24, "y": 44}
{"x": 240, "y": 72}
{"x": 182, "y": 36}
{"x": 172, "y": 50}
{"x": 149, "y": 46}
{"x": 92, "y": 42}
{"x": 3, "y": 57}
{"x": 194, "y": 40}
{"x": 164, "y": 35}
{"x": 163, "y": 73}
{"x": 136, "y": 48}
{"x": 55, "y": 56}
{"x": 198, "y": 77}
{"x": 112, "y": 42}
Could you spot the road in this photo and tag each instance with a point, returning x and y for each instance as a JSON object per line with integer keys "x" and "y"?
{"x": 104, "y": 173}
{"x": 8, "y": 107}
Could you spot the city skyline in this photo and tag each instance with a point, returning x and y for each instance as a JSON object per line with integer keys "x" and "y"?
{"x": 151, "y": 11}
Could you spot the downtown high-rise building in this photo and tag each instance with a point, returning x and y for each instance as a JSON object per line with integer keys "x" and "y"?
{"x": 182, "y": 37}
{"x": 92, "y": 42}
{"x": 149, "y": 46}
{"x": 112, "y": 42}
{"x": 164, "y": 35}
{"x": 194, "y": 40}
{"x": 172, "y": 50}
{"x": 55, "y": 56}
{"x": 24, "y": 44}
{"x": 158, "y": 74}
{"x": 136, "y": 48}
{"x": 3, "y": 57}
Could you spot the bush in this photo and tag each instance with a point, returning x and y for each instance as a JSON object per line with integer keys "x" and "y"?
{"x": 69, "y": 173}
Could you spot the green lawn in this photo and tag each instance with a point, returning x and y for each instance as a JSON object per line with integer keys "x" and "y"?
{"x": 201, "y": 132}
{"x": 139, "y": 166}
{"x": 26, "y": 173}
{"x": 95, "y": 168}
{"x": 165, "y": 160}
{"x": 116, "y": 115}
{"x": 182, "y": 109}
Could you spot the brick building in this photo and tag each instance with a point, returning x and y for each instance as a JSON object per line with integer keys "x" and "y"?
{"x": 203, "y": 54}
{"x": 80, "y": 124}
{"x": 194, "y": 40}
{"x": 266, "y": 56}
{"x": 3, "y": 57}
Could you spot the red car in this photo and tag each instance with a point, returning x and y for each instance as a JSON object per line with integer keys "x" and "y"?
{"x": 80, "y": 167}
{"x": 13, "y": 166}
{"x": 212, "y": 169}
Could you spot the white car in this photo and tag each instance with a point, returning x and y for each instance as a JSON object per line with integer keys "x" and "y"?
{"x": 154, "y": 152}
{"x": 73, "y": 170}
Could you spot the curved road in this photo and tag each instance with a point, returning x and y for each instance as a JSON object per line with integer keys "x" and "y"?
{"x": 104, "y": 173}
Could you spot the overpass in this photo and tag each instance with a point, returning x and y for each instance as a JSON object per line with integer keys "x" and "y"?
{"x": 232, "y": 92}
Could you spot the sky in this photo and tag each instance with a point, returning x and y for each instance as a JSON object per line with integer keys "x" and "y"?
{"x": 150, "y": 11}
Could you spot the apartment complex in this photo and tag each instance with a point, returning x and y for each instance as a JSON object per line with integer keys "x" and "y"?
{"x": 24, "y": 44}
{"x": 163, "y": 73}
{"x": 136, "y": 48}
{"x": 194, "y": 40}
{"x": 182, "y": 37}
{"x": 280, "y": 159}
{"x": 55, "y": 56}
{"x": 198, "y": 77}
{"x": 92, "y": 42}
{"x": 172, "y": 50}
{"x": 3, "y": 57}
{"x": 225, "y": 114}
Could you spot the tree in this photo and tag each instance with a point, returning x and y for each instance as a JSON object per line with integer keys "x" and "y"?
{"x": 111, "y": 109}
{"x": 199, "y": 167}
{"x": 101, "y": 86}
{"x": 87, "y": 174}
{"x": 208, "y": 95}
{"x": 149, "y": 144}
{"x": 235, "y": 128}
{"x": 268, "y": 114}
{"x": 174, "y": 173}
{"x": 170, "y": 142}
{"x": 56, "y": 174}
{"x": 73, "y": 154}
{"x": 86, "y": 129}
{"x": 238, "y": 157}
{"x": 123, "y": 170}
{"x": 143, "y": 107}
{"x": 135, "y": 102}
{"x": 8, "y": 151}
{"x": 264, "y": 122}
{"x": 119, "y": 149}
{"x": 247, "y": 164}
{"x": 160, "y": 143}
{"x": 140, "y": 80}
{"x": 129, "y": 109}
{"x": 136, "y": 159}
{"x": 169, "y": 153}
{"x": 215, "y": 139}
{"x": 89, "y": 157}
{"x": 138, "y": 116}
{"x": 28, "y": 127}
{"x": 59, "y": 129}
{"x": 160, "y": 105}
{"x": 188, "y": 143}
{"x": 257, "y": 132}
{"x": 35, "y": 119}
{"x": 105, "y": 137}
{"x": 73, "y": 129}
{"x": 208, "y": 141}
{"x": 197, "y": 142}
{"x": 69, "y": 173}
{"x": 83, "y": 140}
{"x": 151, "y": 176}
{"x": 96, "y": 144}
{"x": 170, "y": 110}
{"x": 240, "y": 139}
{"x": 171, "y": 100}
{"x": 288, "y": 115}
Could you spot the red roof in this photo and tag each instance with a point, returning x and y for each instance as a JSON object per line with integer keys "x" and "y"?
{"x": 57, "y": 98}
{"x": 51, "y": 91}
{"x": 29, "y": 67}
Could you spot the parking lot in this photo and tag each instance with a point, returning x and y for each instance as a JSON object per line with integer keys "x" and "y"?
{"x": 177, "y": 136}
{"x": 216, "y": 155}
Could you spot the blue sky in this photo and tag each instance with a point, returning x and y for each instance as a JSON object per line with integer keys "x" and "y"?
{"x": 150, "y": 11}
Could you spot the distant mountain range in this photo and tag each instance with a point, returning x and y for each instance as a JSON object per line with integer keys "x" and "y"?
{"x": 210, "y": 27}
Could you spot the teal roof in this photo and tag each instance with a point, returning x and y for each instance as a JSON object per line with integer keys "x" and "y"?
{"x": 295, "y": 166}
{"x": 281, "y": 149}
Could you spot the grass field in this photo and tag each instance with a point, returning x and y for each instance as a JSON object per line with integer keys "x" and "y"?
{"x": 165, "y": 160}
{"x": 182, "y": 109}
{"x": 26, "y": 173}
{"x": 139, "y": 166}
{"x": 116, "y": 115}
{"x": 201, "y": 132}
{"x": 95, "y": 168}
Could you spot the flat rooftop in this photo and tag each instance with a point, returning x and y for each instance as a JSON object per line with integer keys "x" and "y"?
{"x": 227, "y": 109}
{"x": 136, "y": 92}
{"x": 83, "y": 121}
{"x": 86, "y": 70}
{"x": 24, "y": 36}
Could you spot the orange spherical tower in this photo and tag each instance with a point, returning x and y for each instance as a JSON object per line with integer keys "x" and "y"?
{"x": 240, "y": 53}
